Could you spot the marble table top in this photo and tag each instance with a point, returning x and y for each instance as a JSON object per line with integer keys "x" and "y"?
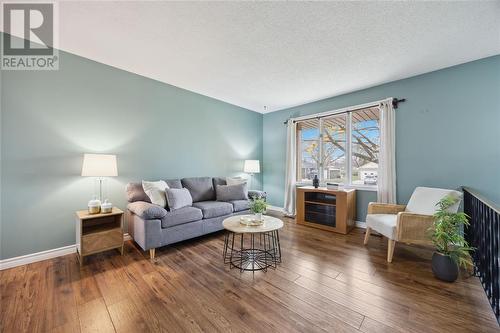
{"x": 270, "y": 224}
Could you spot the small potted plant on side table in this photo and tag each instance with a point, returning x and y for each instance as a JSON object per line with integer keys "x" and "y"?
{"x": 258, "y": 207}
{"x": 452, "y": 250}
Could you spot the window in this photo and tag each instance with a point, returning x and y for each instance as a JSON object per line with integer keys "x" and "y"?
{"x": 308, "y": 150}
{"x": 340, "y": 148}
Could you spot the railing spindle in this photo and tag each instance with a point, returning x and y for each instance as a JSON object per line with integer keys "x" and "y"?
{"x": 483, "y": 234}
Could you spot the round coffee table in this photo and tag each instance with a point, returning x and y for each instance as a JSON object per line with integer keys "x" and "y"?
{"x": 259, "y": 246}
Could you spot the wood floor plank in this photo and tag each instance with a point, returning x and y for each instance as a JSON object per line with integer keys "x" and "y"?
{"x": 372, "y": 326}
{"x": 262, "y": 307}
{"x": 429, "y": 304}
{"x": 94, "y": 317}
{"x": 283, "y": 280}
{"x": 326, "y": 283}
{"x": 320, "y": 318}
{"x": 126, "y": 317}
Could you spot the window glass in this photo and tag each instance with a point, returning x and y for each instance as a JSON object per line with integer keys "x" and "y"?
{"x": 365, "y": 145}
{"x": 308, "y": 150}
{"x": 323, "y": 148}
{"x": 334, "y": 152}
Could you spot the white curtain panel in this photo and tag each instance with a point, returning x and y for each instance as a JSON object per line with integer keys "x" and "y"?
{"x": 290, "y": 172}
{"x": 386, "y": 191}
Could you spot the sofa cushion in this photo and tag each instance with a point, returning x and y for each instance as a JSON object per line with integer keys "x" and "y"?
{"x": 231, "y": 192}
{"x": 214, "y": 208}
{"x": 135, "y": 192}
{"x": 146, "y": 210}
{"x": 383, "y": 223}
{"x": 178, "y": 198}
{"x": 239, "y": 205}
{"x": 219, "y": 181}
{"x": 201, "y": 188}
{"x": 181, "y": 216}
{"x": 174, "y": 183}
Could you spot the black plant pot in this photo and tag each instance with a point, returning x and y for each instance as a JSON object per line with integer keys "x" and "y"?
{"x": 444, "y": 268}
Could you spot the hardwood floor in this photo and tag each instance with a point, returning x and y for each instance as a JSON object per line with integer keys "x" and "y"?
{"x": 326, "y": 283}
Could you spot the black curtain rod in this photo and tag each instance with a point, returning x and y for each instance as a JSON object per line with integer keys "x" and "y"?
{"x": 395, "y": 104}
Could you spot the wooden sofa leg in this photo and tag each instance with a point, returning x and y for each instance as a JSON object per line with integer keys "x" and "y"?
{"x": 367, "y": 235}
{"x": 152, "y": 253}
{"x": 390, "y": 249}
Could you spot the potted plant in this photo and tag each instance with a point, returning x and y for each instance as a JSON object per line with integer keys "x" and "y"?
{"x": 452, "y": 250}
{"x": 258, "y": 206}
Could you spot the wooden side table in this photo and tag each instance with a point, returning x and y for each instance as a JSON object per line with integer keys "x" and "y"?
{"x": 98, "y": 232}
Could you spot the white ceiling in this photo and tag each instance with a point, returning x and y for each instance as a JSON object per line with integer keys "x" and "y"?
{"x": 279, "y": 54}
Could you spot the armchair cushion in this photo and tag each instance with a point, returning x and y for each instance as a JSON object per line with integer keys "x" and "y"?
{"x": 147, "y": 210}
{"x": 424, "y": 200}
{"x": 383, "y": 223}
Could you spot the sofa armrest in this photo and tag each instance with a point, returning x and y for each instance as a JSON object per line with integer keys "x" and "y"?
{"x": 146, "y": 210}
{"x": 146, "y": 233}
{"x": 414, "y": 228}
{"x": 383, "y": 208}
{"x": 257, "y": 194}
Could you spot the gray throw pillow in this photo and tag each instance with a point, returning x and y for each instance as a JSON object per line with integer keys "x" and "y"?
{"x": 178, "y": 198}
{"x": 232, "y": 192}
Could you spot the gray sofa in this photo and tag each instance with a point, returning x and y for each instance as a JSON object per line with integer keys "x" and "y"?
{"x": 152, "y": 226}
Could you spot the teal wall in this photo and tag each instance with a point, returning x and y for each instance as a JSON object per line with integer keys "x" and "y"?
{"x": 50, "y": 118}
{"x": 447, "y": 133}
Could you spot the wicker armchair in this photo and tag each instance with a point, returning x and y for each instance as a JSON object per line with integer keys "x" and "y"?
{"x": 407, "y": 224}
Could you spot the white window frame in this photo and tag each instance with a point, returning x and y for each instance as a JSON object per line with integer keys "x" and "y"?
{"x": 348, "y": 151}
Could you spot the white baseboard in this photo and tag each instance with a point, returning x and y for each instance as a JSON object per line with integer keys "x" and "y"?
{"x": 34, "y": 257}
{"x": 276, "y": 208}
{"x": 360, "y": 224}
{"x": 43, "y": 255}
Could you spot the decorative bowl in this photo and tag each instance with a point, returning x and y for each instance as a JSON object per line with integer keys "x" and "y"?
{"x": 251, "y": 221}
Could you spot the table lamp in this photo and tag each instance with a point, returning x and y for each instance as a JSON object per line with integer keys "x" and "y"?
{"x": 100, "y": 166}
{"x": 252, "y": 167}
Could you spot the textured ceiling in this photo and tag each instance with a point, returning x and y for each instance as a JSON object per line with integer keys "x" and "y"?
{"x": 279, "y": 54}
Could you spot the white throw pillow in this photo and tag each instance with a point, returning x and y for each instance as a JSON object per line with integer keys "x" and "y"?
{"x": 235, "y": 180}
{"x": 156, "y": 192}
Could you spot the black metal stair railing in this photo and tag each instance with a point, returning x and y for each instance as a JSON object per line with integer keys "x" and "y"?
{"x": 483, "y": 234}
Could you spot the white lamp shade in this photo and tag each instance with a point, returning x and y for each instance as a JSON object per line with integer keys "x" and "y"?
{"x": 251, "y": 166}
{"x": 99, "y": 165}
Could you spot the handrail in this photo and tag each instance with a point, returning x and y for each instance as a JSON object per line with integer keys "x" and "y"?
{"x": 483, "y": 234}
{"x": 486, "y": 201}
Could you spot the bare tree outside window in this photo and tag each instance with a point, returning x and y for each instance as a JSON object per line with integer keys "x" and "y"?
{"x": 323, "y": 150}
